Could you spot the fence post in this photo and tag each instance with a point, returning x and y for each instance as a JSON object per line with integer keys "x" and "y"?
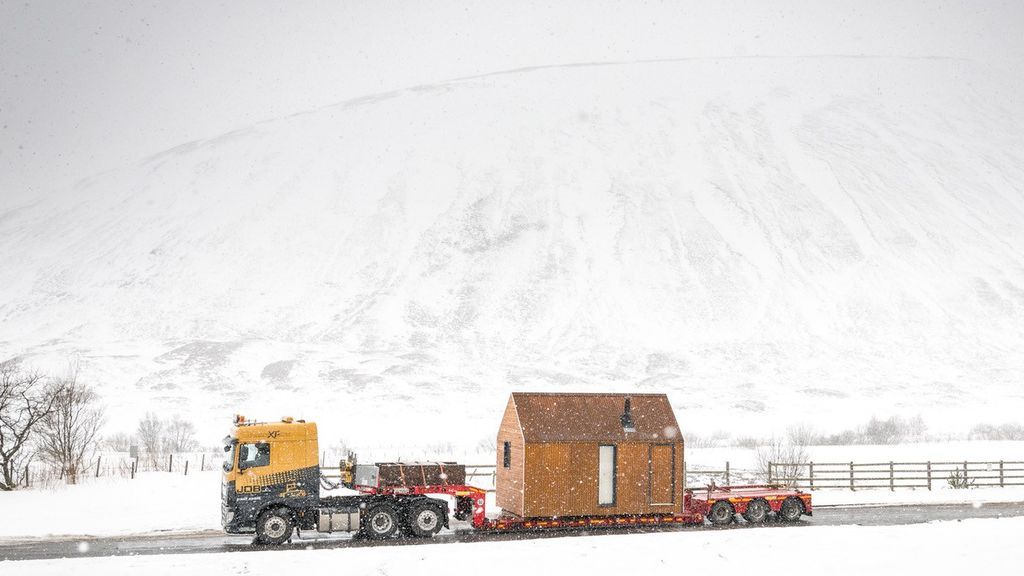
{"x": 186, "y": 467}
{"x": 98, "y": 458}
{"x": 851, "y": 477}
{"x": 892, "y": 478}
{"x": 727, "y": 482}
{"x": 170, "y": 462}
{"x": 202, "y": 465}
{"x": 929, "y": 474}
{"x": 770, "y": 464}
{"x": 28, "y": 481}
{"x": 134, "y": 463}
{"x": 1001, "y": 485}
{"x": 810, "y": 473}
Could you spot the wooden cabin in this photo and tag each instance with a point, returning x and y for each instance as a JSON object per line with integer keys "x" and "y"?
{"x": 589, "y": 455}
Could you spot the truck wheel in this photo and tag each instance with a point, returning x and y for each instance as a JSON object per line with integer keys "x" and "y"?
{"x": 721, "y": 513}
{"x": 791, "y": 509}
{"x": 274, "y": 527}
{"x": 757, "y": 511}
{"x": 380, "y": 522}
{"x": 425, "y": 520}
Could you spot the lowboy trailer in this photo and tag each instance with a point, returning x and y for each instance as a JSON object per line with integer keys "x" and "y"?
{"x": 272, "y": 480}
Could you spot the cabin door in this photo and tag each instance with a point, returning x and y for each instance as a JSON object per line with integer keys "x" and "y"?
{"x": 662, "y": 474}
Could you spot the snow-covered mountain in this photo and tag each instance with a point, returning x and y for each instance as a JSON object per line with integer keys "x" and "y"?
{"x": 769, "y": 238}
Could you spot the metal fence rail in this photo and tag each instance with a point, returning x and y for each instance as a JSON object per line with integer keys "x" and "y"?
{"x": 893, "y": 475}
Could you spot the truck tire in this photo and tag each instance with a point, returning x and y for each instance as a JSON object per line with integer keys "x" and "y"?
{"x": 721, "y": 513}
{"x": 757, "y": 511}
{"x": 425, "y": 519}
{"x": 791, "y": 510}
{"x": 380, "y": 522}
{"x": 274, "y": 526}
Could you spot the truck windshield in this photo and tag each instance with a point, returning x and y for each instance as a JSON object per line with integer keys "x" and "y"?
{"x": 229, "y": 455}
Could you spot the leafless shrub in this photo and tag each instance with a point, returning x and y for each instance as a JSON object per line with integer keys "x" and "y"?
{"x": 1007, "y": 431}
{"x": 717, "y": 439}
{"x": 26, "y": 400}
{"x": 150, "y": 434}
{"x": 180, "y": 436}
{"x": 119, "y": 442}
{"x": 781, "y": 461}
{"x": 69, "y": 432}
{"x": 748, "y": 442}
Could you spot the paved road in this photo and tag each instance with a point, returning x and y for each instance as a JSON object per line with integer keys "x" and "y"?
{"x": 212, "y": 542}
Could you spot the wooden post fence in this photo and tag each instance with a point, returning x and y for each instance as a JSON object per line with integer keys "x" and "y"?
{"x": 98, "y": 458}
{"x": 727, "y": 482}
{"x": 894, "y": 475}
{"x": 170, "y": 462}
{"x": 186, "y": 467}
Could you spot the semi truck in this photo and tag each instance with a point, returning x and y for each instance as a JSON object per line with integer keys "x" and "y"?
{"x": 272, "y": 483}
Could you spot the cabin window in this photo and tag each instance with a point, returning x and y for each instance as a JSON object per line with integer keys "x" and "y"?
{"x": 506, "y": 460}
{"x": 606, "y": 476}
{"x": 253, "y": 455}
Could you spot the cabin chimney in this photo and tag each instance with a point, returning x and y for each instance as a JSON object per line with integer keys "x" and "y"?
{"x": 627, "y": 417}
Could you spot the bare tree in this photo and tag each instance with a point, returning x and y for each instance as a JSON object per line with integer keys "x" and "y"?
{"x": 150, "y": 434}
{"x": 180, "y": 436}
{"x": 25, "y": 401}
{"x": 69, "y": 433}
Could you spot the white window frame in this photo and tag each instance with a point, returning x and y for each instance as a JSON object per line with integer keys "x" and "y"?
{"x": 607, "y": 456}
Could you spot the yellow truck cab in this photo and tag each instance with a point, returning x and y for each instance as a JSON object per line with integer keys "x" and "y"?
{"x": 271, "y": 486}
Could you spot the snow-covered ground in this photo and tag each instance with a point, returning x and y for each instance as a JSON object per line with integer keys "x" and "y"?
{"x": 967, "y": 547}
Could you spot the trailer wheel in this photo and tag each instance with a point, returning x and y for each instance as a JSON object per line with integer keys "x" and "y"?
{"x": 791, "y": 509}
{"x": 380, "y": 522}
{"x": 722, "y": 513}
{"x": 757, "y": 511}
{"x": 425, "y": 519}
{"x": 274, "y": 526}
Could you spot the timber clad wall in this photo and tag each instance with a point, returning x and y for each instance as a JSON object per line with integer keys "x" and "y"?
{"x": 559, "y": 475}
{"x": 510, "y": 497}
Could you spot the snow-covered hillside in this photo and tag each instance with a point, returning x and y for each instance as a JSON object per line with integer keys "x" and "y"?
{"x": 769, "y": 238}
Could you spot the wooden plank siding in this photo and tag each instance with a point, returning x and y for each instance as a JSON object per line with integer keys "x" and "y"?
{"x": 509, "y": 482}
{"x": 561, "y": 479}
{"x": 555, "y": 444}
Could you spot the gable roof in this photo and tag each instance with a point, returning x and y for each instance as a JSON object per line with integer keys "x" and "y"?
{"x": 594, "y": 417}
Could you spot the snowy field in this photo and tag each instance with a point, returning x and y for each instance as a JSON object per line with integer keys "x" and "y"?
{"x": 967, "y": 547}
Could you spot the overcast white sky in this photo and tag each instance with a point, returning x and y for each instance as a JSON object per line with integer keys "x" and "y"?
{"x": 91, "y": 86}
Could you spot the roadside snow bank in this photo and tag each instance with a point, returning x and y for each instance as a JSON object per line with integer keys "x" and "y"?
{"x": 152, "y": 502}
{"x": 940, "y": 548}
